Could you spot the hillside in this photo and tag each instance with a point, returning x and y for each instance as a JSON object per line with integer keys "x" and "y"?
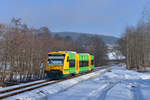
{"x": 75, "y": 35}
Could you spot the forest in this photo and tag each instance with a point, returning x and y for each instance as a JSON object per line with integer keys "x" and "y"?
{"x": 23, "y": 50}
{"x": 135, "y": 43}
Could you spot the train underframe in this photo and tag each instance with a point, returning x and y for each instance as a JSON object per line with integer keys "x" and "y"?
{"x": 54, "y": 74}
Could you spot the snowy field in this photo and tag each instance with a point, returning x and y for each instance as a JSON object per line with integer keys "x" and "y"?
{"x": 120, "y": 84}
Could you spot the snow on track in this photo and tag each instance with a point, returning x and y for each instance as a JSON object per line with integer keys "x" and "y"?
{"x": 44, "y": 92}
{"x": 23, "y": 89}
{"x": 23, "y": 84}
{"x": 120, "y": 84}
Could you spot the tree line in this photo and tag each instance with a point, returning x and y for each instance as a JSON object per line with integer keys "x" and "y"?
{"x": 135, "y": 44}
{"x": 23, "y": 50}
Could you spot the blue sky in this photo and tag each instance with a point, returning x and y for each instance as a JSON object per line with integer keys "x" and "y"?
{"x": 108, "y": 17}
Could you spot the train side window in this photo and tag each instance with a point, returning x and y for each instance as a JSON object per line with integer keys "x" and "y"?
{"x": 71, "y": 63}
{"x": 81, "y": 63}
{"x": 92, "y": 62}
{"x": 67, "y": 58}
{"x": 86, "y": 63}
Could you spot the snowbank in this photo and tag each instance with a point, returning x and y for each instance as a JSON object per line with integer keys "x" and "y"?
{"x": 44, "y": 92}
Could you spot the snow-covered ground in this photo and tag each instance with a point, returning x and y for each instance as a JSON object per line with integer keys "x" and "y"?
{"x": 114, "y": 56}
{"x": 120, "y": 84}
{"x": 44, "y": 92}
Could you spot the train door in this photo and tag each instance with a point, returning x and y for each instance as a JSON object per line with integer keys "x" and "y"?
{"x": 77, "y": 63}
{"x": 66, "y": 65}
{"x": 89, "y": 62}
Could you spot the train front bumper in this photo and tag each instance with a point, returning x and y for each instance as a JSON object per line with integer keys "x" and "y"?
{"x": 54, "y": 74}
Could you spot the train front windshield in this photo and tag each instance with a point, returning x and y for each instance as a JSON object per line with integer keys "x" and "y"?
{"x": 56, "y": 59}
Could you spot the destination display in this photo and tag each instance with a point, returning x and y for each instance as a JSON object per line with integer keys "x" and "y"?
{"x": 56, "y": 57}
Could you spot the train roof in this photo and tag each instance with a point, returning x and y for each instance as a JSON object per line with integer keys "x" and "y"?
{"x": 68, "y": 51}
{"x": 83, "y": 53}
{"x": 63, "y": 51}
{"x": 73, "y": 52}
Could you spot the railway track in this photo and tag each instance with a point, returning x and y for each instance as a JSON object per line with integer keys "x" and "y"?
{"x": 14, "y": 90}
{"x": 7, "y": 92}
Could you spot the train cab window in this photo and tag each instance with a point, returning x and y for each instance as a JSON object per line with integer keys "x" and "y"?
{"x": 56, "y": 59}
{"x": 71, "y": 63}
